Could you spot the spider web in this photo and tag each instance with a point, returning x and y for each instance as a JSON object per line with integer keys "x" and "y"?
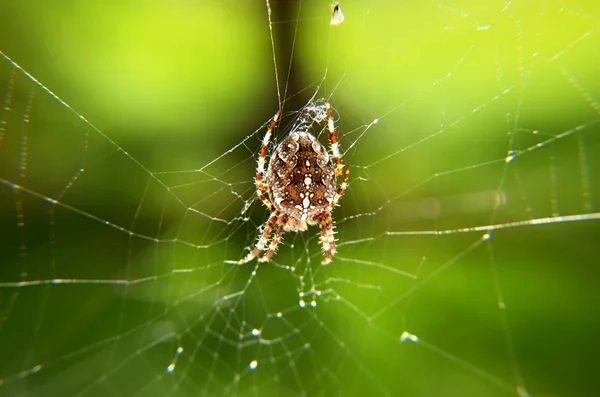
{"x": 466, "y": 239}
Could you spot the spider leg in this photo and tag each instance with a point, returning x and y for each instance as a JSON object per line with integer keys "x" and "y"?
{"x": 263, "y": 239}
{"x": 262, "y": 187}
{"x": 326, "y": 222}
{"x": 276, "y": 240}
{"x": 335, "y": 150}
{"x": 342, "y": 188}
{"x": 327, "y": 239}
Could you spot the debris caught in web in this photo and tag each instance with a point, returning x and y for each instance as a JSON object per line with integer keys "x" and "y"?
{"x": 337, "y": 16}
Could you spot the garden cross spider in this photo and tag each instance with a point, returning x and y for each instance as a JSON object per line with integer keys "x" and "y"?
{"x": 301, "y": 183}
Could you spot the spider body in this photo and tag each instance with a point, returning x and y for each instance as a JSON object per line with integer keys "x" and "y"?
{"x": 300, "y": 182}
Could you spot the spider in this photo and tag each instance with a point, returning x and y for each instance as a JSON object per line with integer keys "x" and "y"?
{"x": 301, "y": 183}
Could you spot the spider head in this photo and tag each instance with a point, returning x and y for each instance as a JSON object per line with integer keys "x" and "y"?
{"x": 295, "y": 225}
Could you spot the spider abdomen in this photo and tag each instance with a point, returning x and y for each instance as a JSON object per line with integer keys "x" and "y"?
{"x": 301, "y": 178}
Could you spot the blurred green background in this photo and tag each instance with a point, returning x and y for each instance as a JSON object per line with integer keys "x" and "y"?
{"x": 486, "y": 114}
